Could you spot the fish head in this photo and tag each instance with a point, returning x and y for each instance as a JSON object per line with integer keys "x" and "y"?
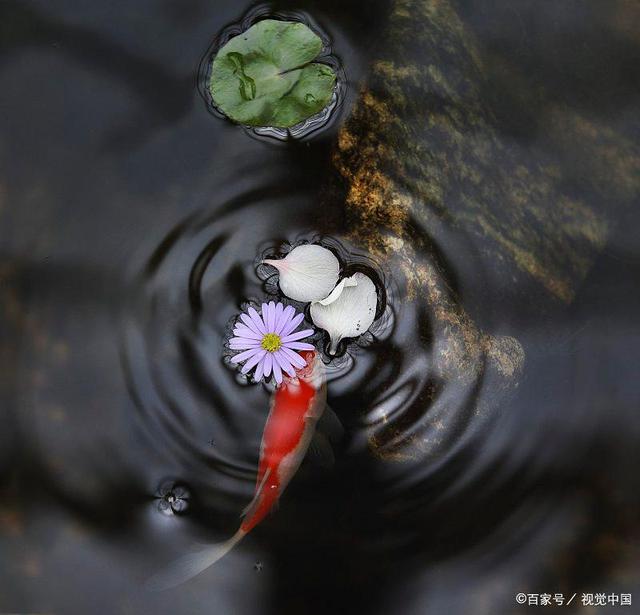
{"x": 309, "y": 356}
{"x": 304, "y": 373}
{"x": 314, "y": 371}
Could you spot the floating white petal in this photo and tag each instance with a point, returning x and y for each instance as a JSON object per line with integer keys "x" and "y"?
{"x": 337, "y": 291}
{"x": 349, "y": 314}
{"x": 307, "y": 273}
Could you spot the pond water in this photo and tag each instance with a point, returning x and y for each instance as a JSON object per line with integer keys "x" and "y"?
{"x": 480, "y": 158}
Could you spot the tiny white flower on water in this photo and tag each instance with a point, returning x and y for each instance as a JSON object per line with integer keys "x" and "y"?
{"x": 350, "y": 311}
{"x": 308, "y": 273}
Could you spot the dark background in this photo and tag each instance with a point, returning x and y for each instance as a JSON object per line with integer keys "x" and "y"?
{"x": 114, "y": 177}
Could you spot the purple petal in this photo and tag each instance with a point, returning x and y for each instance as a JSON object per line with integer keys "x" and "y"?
{"x": 287, "y": 315}
{"x": 249, "y": 323}
{"x": 243, "y": 342}
{"x": 298, "y": 335}
{"x": 294, "y": 358}
{"x": 257, "y": 321}
{"x": 243, "y": 347}
{"x": 281, "y": 359}
{"x": 277, "y": 372}
{"x": 244, "y": 331}
{"x": 299, "y": 346}
{"x": 264, "y": 312}
{"x": 247, "y": 354}
{"x": 254, "y": 360}
{"x": 260, "y": 369}
{"x": 292, "y": 324}
{"x": 271, "y": 317}
{"x": 268, "y": 362}
{"x": 278, "y": 318}
{"x": 241, "y": 339}
{"x": 273, "y": 312}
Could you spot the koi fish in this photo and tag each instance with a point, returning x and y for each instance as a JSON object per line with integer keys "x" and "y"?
{"x": 296, "y": 407}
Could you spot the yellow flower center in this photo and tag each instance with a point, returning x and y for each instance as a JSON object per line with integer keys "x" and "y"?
{"x": 271, "y": 342}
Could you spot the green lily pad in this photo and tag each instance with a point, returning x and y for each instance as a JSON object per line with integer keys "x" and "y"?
{"x": 266, "y": 76}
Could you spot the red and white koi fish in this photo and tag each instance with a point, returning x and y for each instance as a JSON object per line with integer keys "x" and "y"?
{"x": 296, "y": 407}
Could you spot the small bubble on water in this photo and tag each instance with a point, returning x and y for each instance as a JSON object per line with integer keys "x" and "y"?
{"x": 258, "y": 566}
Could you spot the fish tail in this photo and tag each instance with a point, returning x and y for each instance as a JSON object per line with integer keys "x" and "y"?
{"x": 192, "y": 564}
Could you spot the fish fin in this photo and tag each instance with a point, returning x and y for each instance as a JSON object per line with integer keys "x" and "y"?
{"x": 321, "y": 451}
{"x": 191, "y": 565}
{"x": 331, "y": 425}
{"x": 248, "y": 510}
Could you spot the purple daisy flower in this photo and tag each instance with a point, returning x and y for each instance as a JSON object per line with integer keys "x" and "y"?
{"x": 268, "y": 341}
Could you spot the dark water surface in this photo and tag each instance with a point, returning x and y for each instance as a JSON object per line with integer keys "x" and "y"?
{"x": 482, "y": 157}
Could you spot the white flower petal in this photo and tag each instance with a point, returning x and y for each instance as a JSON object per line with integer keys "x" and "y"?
{"x": 337, "y": 291}
{"x": 350, "y": 314}
{"x": 308, "y": 273}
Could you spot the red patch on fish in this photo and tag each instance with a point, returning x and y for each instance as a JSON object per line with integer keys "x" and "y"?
{"x": 285, "y": 438}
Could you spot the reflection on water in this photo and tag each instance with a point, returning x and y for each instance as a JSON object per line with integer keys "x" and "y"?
{"x": 482, "y": 160}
